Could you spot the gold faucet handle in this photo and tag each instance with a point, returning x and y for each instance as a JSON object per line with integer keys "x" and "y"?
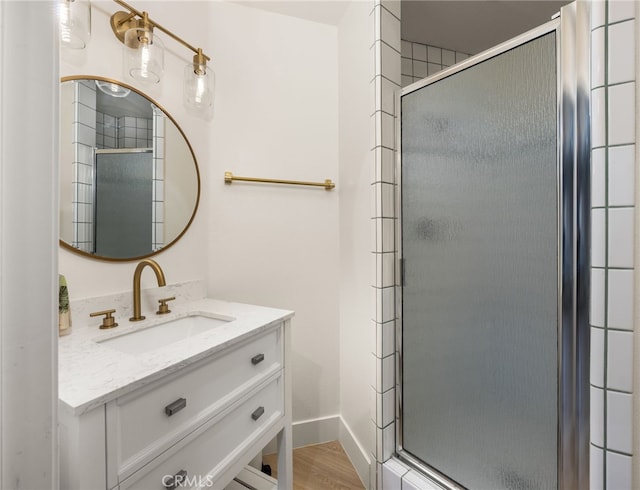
{"x": 108, "y": 321}
{"x": 163, "y": 308}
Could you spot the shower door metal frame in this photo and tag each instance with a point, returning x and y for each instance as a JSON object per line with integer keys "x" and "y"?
{"x": 573, "y": 35}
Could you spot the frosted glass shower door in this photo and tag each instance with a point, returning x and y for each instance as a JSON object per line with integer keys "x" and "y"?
{"x": 124, "y": 199}
{"x": 479, "y": 172}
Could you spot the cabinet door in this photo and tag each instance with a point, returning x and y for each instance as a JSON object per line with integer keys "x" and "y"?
{"x": 227, "y": 440}
{"x": 147, "y": 422}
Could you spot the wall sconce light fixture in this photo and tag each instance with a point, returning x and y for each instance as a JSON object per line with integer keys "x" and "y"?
{"x": 144, "y": 56}
{"x": 74, "y": 18}
{"x": 143, "y": 51}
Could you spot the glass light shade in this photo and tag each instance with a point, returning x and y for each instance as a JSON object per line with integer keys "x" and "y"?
{"x": 74, "y": 17}
{"x": 112, "y": 89}
{"x": 144, "y": 55}
{"x": 198, "y": 88}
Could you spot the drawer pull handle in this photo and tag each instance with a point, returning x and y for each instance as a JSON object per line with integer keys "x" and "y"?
{"x": 175, "y": 407}
{"x": 175, "y": 481}
{"x": 257, "y": 359}
{"x": 257, "y": 413}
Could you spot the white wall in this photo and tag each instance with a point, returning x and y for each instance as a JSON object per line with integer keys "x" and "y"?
{"x": 276, "y": 116}
{"x": 28, "y": 234}
{"x": 187, "y": 259}
{"x": 357, "y": 331}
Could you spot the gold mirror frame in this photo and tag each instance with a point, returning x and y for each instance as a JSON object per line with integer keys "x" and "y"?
{"x": 75, "y": 250}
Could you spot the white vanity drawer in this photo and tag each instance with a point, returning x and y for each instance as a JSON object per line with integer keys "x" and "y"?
{"x": 148, "y": 421}
{"x": 210, "y": 450}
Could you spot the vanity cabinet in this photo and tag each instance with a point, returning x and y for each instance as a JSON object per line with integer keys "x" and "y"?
{"x": 199, "y": 425}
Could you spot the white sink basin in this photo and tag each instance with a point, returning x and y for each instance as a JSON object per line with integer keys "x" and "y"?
{"x": 163, "y": 334}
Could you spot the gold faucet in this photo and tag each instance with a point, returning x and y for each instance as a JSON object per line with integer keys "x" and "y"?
{"x": 136, "y": 285}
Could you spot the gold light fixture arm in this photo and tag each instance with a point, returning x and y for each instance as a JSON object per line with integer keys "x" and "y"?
{"x": 327, "y": 184}
{"x": 121, "y": 22}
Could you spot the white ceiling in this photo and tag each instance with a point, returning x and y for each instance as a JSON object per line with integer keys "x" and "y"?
{"x": 469, "y": 26}
{"x": 472, "y": 26}
{"x": 323, "y": 11}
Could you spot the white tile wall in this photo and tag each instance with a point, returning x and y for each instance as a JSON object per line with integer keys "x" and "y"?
{"x": 421, "y": 60}
{"x": 598, "y": 178}
{"x": 613, "y": 42}
{"x": 622, "y": 176}
{"x": 620, "y": 10}
{"x": 619, "y": 419}
{"x": 597, "y": 361}
{"x": 621, "y": 114}
{"x": 598, "y": 117}
{"x": 598, "y": 238}
{"x": 620, "y": 299}
{"x": 597, "y": 414}
{"x": 123, "y": 132}
{"x": 386, "y": 47}
{"x": 598, "y": 13}
{"x": 596, "y": 468}
{"x": 385, "y": 337}
{"x": 618, "y": 473}
{"x": 597, "y": 57}
{"x": 620, "y": 240}
{"x": 156, "y": 129}
{"x": 620, "y": 361}
{"x": 134, "y": 132}
{"x": 390, "y": 26}
{"x": 84, "y": 141}
{"x": 597, "y": 297}
{"x": 622, "y": 55}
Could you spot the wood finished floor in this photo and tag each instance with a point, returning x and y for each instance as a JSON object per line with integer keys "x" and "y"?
{"x": 320, "y": 467}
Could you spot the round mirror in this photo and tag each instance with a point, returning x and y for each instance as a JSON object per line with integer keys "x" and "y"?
{"x": 129, "y": 180}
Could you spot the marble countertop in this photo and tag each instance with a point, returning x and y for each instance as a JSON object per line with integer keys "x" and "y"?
{"x": 91, "y": 374}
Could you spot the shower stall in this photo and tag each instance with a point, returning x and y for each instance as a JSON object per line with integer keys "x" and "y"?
{"x": 493, "y": 336}
{"x": 124, "y": 199}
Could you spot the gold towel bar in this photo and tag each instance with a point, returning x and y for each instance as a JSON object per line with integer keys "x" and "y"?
{"x": 327, "y": 184}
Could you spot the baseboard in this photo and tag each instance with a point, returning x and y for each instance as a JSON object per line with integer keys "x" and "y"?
{"x": 309, "y": 432}
{"x": 316, "y": 431}
{"x": 357, "y": 454}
